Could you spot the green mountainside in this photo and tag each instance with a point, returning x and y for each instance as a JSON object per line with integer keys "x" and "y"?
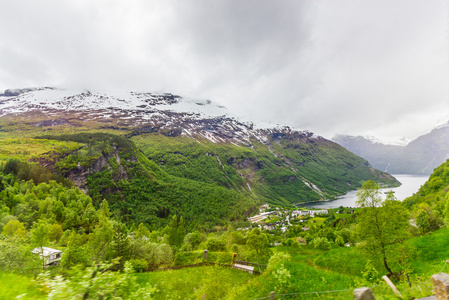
{"x": 289, "y": 168}
{"x": 432, "y": 199}
{"x": 178, "y": 183}
{"x": 152, "y": 156}
{"x": 150, "y": 177}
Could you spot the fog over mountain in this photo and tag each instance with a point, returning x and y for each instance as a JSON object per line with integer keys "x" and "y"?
{"x": 358, "y": 67}
{"x": 420, "y": 156}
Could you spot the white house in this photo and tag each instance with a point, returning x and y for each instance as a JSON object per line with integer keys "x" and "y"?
{"x": 50, "y": 256}
{"x": 311, "y": 213}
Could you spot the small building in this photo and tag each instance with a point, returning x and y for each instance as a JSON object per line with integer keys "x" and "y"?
{"x": 49, "y": 255}
{"x": 260, "y": 217}
{"x": 310, "y": 213}
{"x": 296, "y": 213}
{"x": 264, "y": 207}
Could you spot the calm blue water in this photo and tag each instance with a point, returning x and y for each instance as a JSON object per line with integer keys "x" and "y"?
{"x": 410, "y": 185}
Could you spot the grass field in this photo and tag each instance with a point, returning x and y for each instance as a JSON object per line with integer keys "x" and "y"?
{"x": 12, "y": 285}
{"x": 26, "y": 148}
{"x": 191, "y": 283}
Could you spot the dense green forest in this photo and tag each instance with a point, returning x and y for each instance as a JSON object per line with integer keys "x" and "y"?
{"x": 56, "y": 214}
{"x": 280, "y": 171}
{"x": 148, "y": 178}
{"x": 124, "y": 209}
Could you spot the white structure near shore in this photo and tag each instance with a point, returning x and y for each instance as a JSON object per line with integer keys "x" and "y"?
{"x": 311, "y": 213}
{"x": 261, "y": 216}
{"x": 49, "y": 255}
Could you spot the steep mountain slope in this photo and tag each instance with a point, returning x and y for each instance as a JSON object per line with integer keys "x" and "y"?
{"x": 155, "y": 155}
{"x": 430, "y": 204}
{"x": 420, "y": 156}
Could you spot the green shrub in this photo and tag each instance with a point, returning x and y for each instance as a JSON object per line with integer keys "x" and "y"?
{"x": 215, "y": 244}
{"x": 321, "y": 243}
{"x": 139, "y": 265}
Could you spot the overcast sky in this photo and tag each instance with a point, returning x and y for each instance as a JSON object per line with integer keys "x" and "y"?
{"x": 330, "y": 66}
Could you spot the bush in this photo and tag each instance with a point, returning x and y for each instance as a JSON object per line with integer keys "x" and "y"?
{"x": 308, "y": 238}
{"x": 139, "y": 265}
{"x": 214, "y": 244}
{"x": 339, "y": 241}
{"x": 321, "y": 243}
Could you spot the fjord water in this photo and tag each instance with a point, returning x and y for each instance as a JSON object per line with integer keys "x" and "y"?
{"x": 410, "y": 185}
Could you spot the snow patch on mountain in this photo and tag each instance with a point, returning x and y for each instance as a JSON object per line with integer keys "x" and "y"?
{"x": 444, "y": 125}
{"x": 392, "y": 140}
{"x": 152, "y": 111}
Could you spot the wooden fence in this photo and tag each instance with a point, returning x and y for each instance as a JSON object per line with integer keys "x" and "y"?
{"x": 202, "y": 264}
{"x": 248, "y": 263}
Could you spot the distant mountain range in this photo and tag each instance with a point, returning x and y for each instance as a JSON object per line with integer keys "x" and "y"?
{"x": 420, "y": 156}
{"x": 155, "y": 154}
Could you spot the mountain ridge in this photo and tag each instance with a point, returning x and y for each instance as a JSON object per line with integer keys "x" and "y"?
{"x": 183, "y": 147}
{"x": 419, "y": 156}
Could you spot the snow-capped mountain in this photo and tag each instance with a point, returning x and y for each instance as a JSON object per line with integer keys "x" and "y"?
{"x": 203, "y": 142}
{"x": 147, "y": 112}
{"x": 393, "y": 141}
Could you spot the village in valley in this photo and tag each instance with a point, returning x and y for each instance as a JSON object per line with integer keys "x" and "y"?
{"x": 272, "y": 217}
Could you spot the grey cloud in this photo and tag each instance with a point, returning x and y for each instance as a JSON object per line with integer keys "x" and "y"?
{"x": 328, "y": 66}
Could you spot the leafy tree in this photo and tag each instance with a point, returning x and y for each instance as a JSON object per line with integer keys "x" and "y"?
{"x": 381, "y": 226}
{"x": 258, "y": 241}
{"x": 14, "y": 228}
{"x": 176, "y": 232}
{"x": 321, "y": 243}
{"x": 16, "y": 257}
{"x": 308, "y": 238}
{"x": 120, "y": 246}
{"x": 39, "y": 237}
{"x": 142, "y": 231}
{"x": 422, "y": 221}
{"x": 215, "y": 244}
{"x": 192, "y": 240}
{"x": 339, "y": 241}
{"x": 77, "y": 251}
{"x": 55, "y": 232}
{"x": 369, "y": 195}
{"x": 164, "y": 254}
{"x": 100, "y": 239}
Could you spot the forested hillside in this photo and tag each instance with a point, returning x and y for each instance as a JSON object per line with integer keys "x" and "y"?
{"x": 152, "y": 156}
{"x": 118, "y": 195}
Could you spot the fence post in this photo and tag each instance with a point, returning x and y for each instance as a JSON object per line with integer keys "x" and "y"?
{"x": 205, "y": 255}
{"x": 271, "y": 295}
{"x": 392, "y": 286}
{"x": 363, "y": 293}
{"x": 204, "y": 297}
{"x": 441, "y": 286}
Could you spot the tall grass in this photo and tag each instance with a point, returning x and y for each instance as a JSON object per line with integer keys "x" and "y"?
{"x": 191, "y": 283}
